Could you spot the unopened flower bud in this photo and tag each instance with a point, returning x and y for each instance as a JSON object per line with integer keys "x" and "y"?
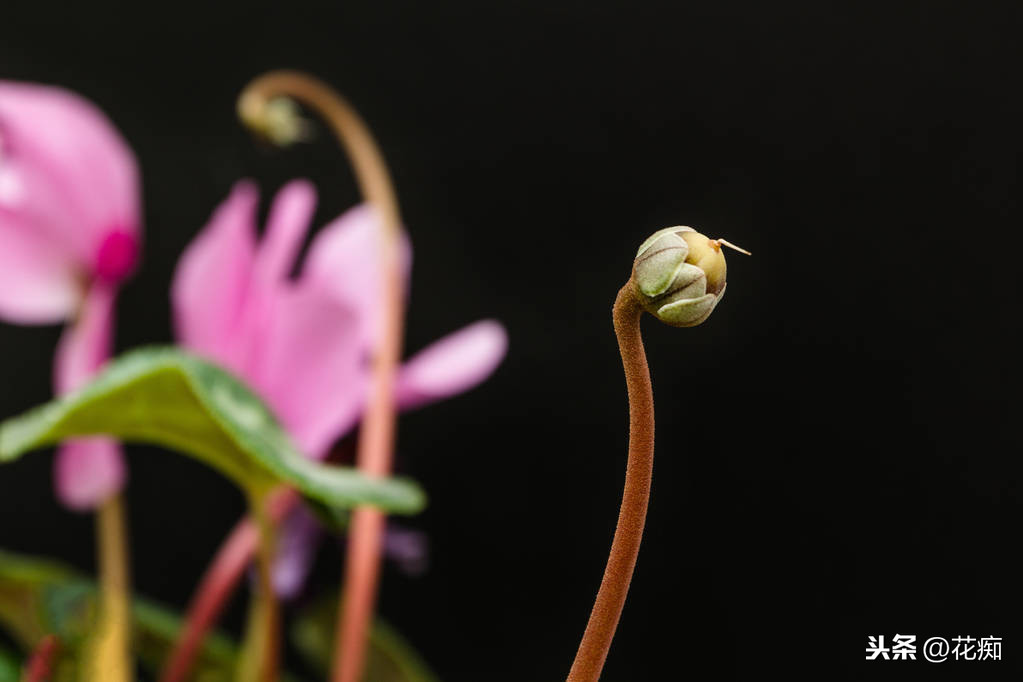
{"x": 679, "y": 275}
{"x": 277, "y": 120}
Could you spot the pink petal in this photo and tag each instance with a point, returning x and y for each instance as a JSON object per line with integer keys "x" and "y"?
{"x": 311, "y": 369}
{"x": 452, "y": 365}
{"x": 78, "y": 177}
{"x": 86, "y": 343}
{"x": 37, "y": 283}
{"x": 345, "y": 259}
{"x": 300, "y": 539}
{"x": 87, "y": 472}
{"x": 289, "y": 220}
{"x": 213, "y": 279}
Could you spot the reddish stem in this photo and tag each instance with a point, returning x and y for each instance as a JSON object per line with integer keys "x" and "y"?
{"x": 40, "y": 665}
{"x": 377, "y": 433}
{"x": 217, "y": 586}
{"x": 607, "y": 609}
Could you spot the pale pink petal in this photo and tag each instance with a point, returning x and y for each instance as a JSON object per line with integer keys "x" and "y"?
{"x": 213, "y": 278}
{"x": 299, "y": 541}
{"x": 37, "y": 283}
{"x": 345, "y": 259}
{"x": 311, "y": 367}
{"x": 275, "y": 257}
{"x": 88, "y": 471}
{"x": 86, "y": 342}
{"x": 80, "y": 178}
{"x": 286, "y": 227}
{"x": 452, "y": 365}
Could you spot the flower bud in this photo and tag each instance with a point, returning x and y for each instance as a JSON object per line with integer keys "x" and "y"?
{"x": 277, "y": 120}
{"x": 679, "y": 275}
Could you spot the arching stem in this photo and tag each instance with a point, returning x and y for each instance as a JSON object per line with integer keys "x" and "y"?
{"x": 607, "y": 609}
{"x": 376, "y": 437}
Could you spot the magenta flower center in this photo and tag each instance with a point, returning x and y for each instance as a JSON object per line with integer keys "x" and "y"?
{"x": 117, "y": 256}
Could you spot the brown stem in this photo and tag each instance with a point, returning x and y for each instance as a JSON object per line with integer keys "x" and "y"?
{"x": 607, "y": 608}
{"x": 376, "y": 437}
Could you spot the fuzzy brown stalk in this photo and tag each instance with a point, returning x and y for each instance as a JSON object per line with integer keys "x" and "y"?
{"x": 607, "y": 609}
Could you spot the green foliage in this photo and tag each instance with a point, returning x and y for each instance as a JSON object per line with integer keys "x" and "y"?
{"x": 388, "y": 659}
{"x": 38, "y": 598}
{"x": 10, "y": 665}
{"x": 167, "y": 397}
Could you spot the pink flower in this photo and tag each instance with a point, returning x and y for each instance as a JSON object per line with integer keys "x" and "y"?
{"x": 303, "y": 343}
{"x": 69, "y": 235}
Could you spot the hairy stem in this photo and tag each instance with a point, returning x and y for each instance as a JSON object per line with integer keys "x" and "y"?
{"x": 376, "y": 437}
{"x": 607, "y": 609}
{"x": 110, "y": 649}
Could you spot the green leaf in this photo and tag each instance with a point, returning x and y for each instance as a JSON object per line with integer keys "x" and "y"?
{"x": 167, "y": 397}
{"x": 10, "y": 665}
{"x": 41, "y": 597}
{"x": 389, "y": 657}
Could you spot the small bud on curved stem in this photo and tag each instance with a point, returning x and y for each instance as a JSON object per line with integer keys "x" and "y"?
{"x": 268, "y": 106}
{"x": 678, "y": 277}
{"x": 277, "y": 120}
{"x": 376, "y": 437}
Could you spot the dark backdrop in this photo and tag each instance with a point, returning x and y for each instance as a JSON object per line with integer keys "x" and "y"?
{"x": 838, "y": 452}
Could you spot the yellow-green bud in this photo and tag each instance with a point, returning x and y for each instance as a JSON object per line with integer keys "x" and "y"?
{"x": 277, "y": 120}
{"x": 679, "y": 275}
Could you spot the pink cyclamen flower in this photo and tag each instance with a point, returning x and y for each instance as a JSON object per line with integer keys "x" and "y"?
{"x": 303, "y": 342}
{"x": 69, "y": 235}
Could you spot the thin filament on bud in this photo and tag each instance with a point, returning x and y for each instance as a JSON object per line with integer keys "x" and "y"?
{"x": 719, "y": 240}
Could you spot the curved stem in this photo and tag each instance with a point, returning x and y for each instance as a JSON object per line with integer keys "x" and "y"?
{"x": 376, "y": 438}
{"x": 607, "y": 609}
{"x": 217, "y": 586}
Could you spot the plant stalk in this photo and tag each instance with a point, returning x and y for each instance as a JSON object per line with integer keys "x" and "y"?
{"x": 39, "y": 666}
{"x": 607, "y": 609}
{"x": 376, "y": 437}
{"x": 217, "y": 586}
{"x": 109, "y": 656}
{"x": 260, "y": 659}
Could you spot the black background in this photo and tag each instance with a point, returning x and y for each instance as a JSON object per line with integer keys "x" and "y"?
{"x": 838, "y": 452}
